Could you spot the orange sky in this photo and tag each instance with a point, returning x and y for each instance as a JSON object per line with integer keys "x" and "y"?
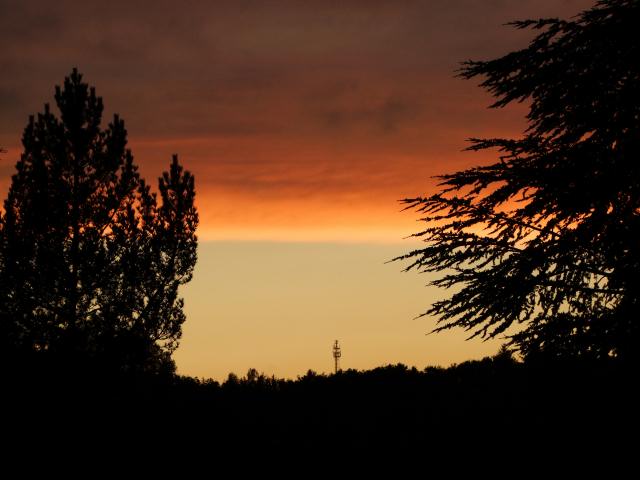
{"x": 302, "y": 121}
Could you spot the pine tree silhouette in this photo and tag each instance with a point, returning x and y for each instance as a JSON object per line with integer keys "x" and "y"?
{"x": 545, "y": 241}
{"x": 90, "y": 259}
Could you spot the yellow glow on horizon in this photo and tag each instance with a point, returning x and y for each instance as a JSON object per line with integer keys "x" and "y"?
{"x": 277, "y": 307}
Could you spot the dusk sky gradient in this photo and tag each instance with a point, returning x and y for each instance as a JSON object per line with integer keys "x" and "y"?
{"x": 304, "y": 123}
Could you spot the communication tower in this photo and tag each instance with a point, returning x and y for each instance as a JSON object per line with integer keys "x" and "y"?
{"x": 336, "y": 355}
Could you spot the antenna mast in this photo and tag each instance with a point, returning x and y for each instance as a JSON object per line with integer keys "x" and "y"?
{"x": 336, "y": 355}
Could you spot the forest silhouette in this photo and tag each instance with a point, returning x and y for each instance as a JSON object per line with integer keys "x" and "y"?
{"x": 91, "y": 260}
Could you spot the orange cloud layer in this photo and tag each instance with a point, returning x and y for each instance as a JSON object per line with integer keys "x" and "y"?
{"x": 305, "y": 117}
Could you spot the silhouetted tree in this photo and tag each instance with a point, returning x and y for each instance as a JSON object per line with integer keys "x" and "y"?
{"x": 90, "y": 259}
{"x": 544, "y": 242}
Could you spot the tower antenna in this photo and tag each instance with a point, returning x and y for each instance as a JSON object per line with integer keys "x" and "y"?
{"x": 336, "y": 355}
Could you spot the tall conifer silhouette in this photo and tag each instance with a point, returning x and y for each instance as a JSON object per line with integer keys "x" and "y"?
{"x": 544, "y": 242}
{"x": 90, "y": 259}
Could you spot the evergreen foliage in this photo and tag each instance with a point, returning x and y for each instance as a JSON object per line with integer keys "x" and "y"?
{"x": 543, "y": 244}
{"x": 90, "y": 259}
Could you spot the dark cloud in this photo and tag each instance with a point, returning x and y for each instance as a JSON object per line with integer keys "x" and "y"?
{"x": 385, "y": 117}
{"x": 331, "y": 98}
{"x": 240, "y": 60}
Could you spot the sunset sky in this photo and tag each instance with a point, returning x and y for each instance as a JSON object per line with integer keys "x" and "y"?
{"x": 304, "y": 123}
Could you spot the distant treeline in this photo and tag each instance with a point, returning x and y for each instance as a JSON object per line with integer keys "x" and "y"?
{"x": 496, "y": 402}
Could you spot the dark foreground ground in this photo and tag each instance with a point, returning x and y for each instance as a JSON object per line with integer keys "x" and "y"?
{"x": 492, "y": 410}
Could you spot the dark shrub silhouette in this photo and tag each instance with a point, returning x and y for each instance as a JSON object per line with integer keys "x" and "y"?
{"x": 90, "y": 259}
{"x": 544, "y": 241}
